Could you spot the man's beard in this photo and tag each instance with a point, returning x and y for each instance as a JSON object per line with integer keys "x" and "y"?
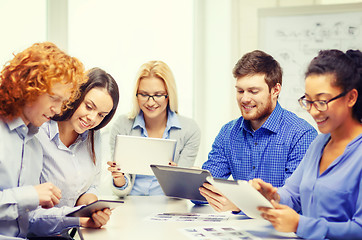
{"x": 260, "y": 114}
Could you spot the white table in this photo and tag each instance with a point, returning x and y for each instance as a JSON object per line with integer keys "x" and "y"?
{"x": 129, "y": 221}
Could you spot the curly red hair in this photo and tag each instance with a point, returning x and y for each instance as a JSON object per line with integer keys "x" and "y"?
{"x": 33, "y": 72}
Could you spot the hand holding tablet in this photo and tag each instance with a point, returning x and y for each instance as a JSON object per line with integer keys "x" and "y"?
{"x": 88, "y": 210}
{"x": 242, "y": 194}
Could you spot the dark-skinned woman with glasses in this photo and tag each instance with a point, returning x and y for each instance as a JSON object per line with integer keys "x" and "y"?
{"x": 326, "y": 188}
{"x": 154, "y": 114}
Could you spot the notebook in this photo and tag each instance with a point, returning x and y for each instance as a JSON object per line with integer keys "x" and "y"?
{"x": 136, "y": 154}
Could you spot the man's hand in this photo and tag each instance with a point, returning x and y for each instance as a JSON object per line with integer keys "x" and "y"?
{"x": 48, "y": 194}
{"x": 97, "y": 220}
{"x": 215, "y": 198}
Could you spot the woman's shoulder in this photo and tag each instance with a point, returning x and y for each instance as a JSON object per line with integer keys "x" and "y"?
{"x": 186, "y": 121}
{"x": 188, "y": 125}
{"x": 123, "y": 120}
{"x": 121, "y": 124}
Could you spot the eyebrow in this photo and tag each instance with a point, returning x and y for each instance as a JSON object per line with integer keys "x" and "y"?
{"x": 318, "y": 95}
{"x": 95, "y": 106}
{"x": 57, "y": 97}
{"x": 250, "y": 88}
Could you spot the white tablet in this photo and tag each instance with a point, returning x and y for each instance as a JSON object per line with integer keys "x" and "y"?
{"x": 181, "y": 182}
{"x": 242, "y": 194}
{"x": 136, "y": 154}
{"x": 88, "y": 210}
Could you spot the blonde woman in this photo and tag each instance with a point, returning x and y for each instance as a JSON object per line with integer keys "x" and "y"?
{"x": 154, "y": 114}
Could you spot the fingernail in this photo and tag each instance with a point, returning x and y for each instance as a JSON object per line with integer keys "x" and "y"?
{"x": 118, "y": 169}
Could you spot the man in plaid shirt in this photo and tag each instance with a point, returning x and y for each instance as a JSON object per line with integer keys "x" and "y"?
{"x": 267, "y": 141}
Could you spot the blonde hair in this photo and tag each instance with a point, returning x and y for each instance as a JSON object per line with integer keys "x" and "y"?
{"x": 159, "y": 70}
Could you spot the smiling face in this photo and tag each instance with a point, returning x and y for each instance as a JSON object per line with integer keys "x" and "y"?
{"x": 150, "y": 108}
{"x": 319, "y": 87}
{"x": 255, "y": 101}
{"x": 46, "y": 105}
{"x": 96, "y": 105}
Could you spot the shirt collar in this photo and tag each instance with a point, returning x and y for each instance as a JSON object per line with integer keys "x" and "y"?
{"x": 139, "y": 121}
{"x": 271, "y": 124}
{"x": 19, "y": 126}
{"x": 53, "y": 129}
{"x": 172, "y": 121}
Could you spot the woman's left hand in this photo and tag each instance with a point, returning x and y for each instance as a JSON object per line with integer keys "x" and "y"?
{"x": 282, "y": 217}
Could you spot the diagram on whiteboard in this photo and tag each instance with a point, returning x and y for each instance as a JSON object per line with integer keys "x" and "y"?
{"x": 294, "y": 40}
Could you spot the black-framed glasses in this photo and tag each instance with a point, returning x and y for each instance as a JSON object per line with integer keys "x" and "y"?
{"x": 157, "y": 98}
{"x": 320, "y": 105}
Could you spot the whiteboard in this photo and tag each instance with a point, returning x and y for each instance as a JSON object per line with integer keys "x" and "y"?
{"x": 294, "y": 36}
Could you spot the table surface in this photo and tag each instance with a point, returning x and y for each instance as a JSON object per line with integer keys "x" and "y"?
{"x": 131, "y": 221}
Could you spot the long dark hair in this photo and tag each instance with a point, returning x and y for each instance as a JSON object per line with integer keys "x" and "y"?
{"x": 347, "y": 69}
{"x": 97, "y": 78}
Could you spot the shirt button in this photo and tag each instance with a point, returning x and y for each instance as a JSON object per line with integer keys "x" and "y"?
{"x": 253, "y": 167}
{"x": 255, "y": 143}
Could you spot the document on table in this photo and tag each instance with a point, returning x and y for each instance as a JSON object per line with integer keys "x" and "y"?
{"x": 187, "y": 217}
{"x": 217, "y": 233}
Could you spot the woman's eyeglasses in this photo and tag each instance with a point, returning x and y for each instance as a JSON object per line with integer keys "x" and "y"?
{"x": 320, "y": 105}
{"x": 157, "y": 98}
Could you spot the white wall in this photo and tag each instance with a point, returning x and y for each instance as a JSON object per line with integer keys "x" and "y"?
{"x": 23, "y": 23}
{"x": 213, "y": 78}
{"x": 120, "y": 35}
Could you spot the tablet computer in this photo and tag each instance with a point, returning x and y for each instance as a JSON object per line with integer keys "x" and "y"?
{"x": 181, "y": 182}
{"x": 242, "y": 194}
{"x": 135, "y": 154}
{"x": 88, "y": 210}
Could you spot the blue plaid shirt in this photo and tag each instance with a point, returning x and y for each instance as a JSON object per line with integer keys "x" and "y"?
{"x": 271, "y": 153}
